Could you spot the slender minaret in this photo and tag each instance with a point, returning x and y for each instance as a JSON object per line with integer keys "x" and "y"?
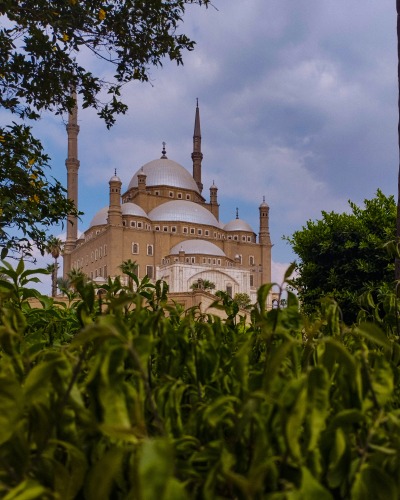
{"x": 265, "y": 242}
{"x": 264, "y": 236}
{"x": 72, "y": 164}
{"x": 197, "y": 155}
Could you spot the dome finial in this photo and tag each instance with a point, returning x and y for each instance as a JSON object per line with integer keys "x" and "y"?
{"x": 264, "y": 199}
{"x": 164, "y": 153}
{"x": 115, "y": 172}
{"x": 237, "y": 213}
{"x": 197, "y": 102}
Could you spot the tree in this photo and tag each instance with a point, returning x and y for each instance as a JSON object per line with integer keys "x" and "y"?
{"x": 201, "y": 284}
{"x": 30, "y": 203}
{"x": 40, "y": 45}
{"x": 129, "y": 267}
{"x": 54, "y": 247}
{"x": 76, "y": 278}
{"x": 342, "y": 255}
{"x": 243, "y": 300}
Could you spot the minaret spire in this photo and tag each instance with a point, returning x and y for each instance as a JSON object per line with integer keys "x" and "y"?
{"x": 72, "y": 164}
{"x": 197, "y": 155}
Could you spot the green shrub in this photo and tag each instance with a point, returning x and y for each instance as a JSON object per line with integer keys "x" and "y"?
{"x": 137, "y": 399}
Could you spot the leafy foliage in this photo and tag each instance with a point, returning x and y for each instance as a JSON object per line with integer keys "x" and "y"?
{"x": 42, "y": 46}
{"x": 29, "y": 202}
{"x": 243, "y": 300}
{"x": 40, "y": 41}
{"x": 137, "y": 399}
{"x": 343, "y": 255}
{"x": 202, "y": 284}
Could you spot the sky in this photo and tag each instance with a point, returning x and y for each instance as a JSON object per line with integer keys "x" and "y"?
{"x": 298, "y": 103}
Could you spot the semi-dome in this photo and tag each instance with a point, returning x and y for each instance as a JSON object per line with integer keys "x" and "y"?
{"x": 165, "y": 172}
{"x": 202, "y": 247}
{"x": 100, "y": 218}
{"x": 183, "y": 211}
{"x": 238, "y": 225}
{"x": 132, "y": 209}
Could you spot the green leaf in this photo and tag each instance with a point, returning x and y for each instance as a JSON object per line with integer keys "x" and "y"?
{"x": 372, "y": 332}
{"x": 338, "y": 467}
{"x": 346, "y": 418}
{"x": 102, "y": 474}
{"x": 28, "y": 490}
{"x": 372, "y": 482}
{"x": 318, "y": 387}
{"x": 156, "y": 469}
{"x": 68, "y": 476}
{"x": 310, "y": 488}
{"x": 262, "y": 294}
{"x": 11, "y": 406}
{"x": 221, "y": 411}
{"x": 293, "y": 401}
{"x": 274, "y": 363}
{"x": 289, "y": 271}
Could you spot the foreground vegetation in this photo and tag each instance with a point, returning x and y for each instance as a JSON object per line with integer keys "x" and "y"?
{"x": 123, "y": 396}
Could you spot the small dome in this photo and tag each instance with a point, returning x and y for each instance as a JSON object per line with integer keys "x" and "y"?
{"x": 183, "y": 211}
{"x": 132, "y": 209}
{"x": 238, "y": 225}
{"x": 114, "y": 178}
{"x": 100, "y": 218}
{"x": 165, "y": 172}
{"x": 264, "y": 203}
{"x": 202, "y": 247}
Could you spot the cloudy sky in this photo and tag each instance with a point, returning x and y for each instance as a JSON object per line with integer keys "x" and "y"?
{"x": 298, "y": 103}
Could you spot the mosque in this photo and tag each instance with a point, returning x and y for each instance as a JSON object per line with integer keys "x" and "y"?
{"x": 163, "y": 222}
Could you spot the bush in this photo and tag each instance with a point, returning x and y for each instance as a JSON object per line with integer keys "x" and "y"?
{"x": 133, "y": 398}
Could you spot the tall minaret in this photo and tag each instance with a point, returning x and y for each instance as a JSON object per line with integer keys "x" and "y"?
{"x": 264, "y": 239}
{"x": 72, "y": 164}
{"x": 197, "y": 155}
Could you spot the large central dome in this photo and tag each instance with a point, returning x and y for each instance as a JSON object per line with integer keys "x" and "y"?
{"x": 165, "y": 172}
{"x": 183, "y": 211}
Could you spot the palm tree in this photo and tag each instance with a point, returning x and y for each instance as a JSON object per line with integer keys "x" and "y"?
{"x": 54, "y": 247}
{"x": 129, "y": 267}
{"x": 76, "y": 277}
{"x": 63, "y": 284}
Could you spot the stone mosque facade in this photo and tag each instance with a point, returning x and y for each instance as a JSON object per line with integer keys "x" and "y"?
{"x": 163, "y": 222}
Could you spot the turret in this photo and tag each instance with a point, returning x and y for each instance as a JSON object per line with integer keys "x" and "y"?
{"x": 142, "y": 180}
{"x": 114, "y": 209}
{"x": 197, "y": 155}
{"x": 214, "y": 201}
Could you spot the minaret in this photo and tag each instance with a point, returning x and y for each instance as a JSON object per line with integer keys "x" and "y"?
{"x": 264, "y": 236}
{"x": 72, "y": 164}
{"x": 197, "y": 155}
{"x": 114, "y": 209}
{"x": 265, "y": 242}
